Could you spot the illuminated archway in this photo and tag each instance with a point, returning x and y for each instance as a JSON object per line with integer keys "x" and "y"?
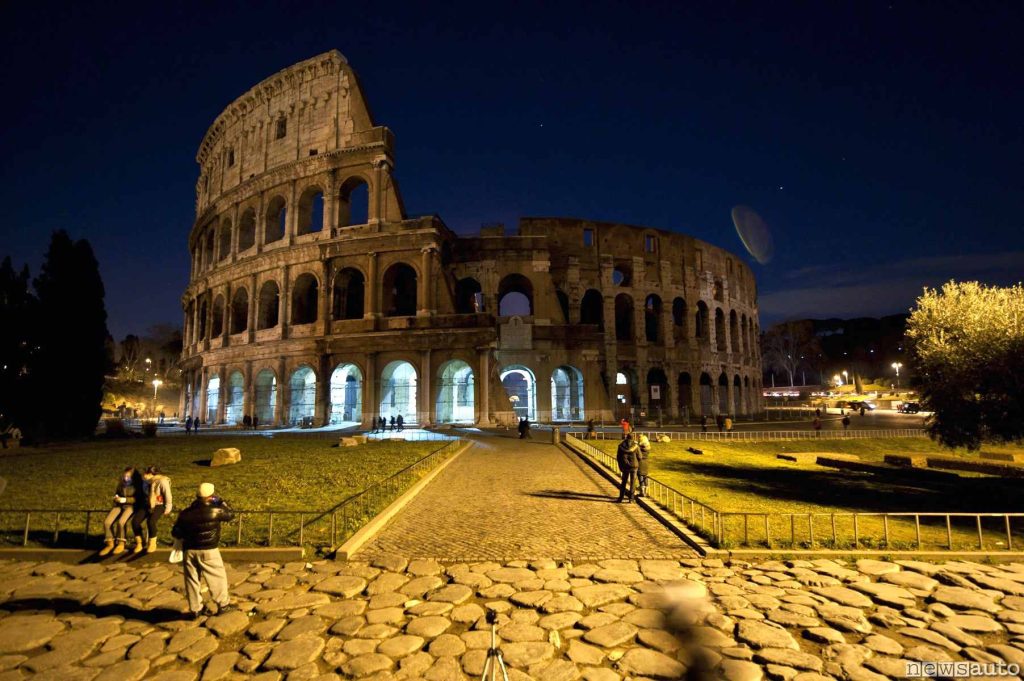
{"x": 398, "y": 391}
{"x": 567, "y": 394}
{"x": 346, "y": 394}
{"x": 455, "y": 393}
{"x": 212, "y": 399}
{"x": 265, "y": 394}
{"x": 303, "y": 397}
{"x": 521, "y": 387}
{"x": 235, "y": 398}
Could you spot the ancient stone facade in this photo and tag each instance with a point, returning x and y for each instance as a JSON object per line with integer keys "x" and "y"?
{"x": 314, "y": 299}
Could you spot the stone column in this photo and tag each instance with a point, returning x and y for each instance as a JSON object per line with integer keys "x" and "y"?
{"x": 280, "y": 409}
{"x": 284, "y": 308}
{"x": 249, "y": 392}
{"x": 330, "y": 204}
{"x": 482, "y": 386}
{"x": 425, "y": 390}
{"x": 222, "y": 373}
{"x": 234, "y": 232}
{"x": 643, "y": 389}
{"x": 375, "y": 209}
{"x": 226, "y": 313}
{"x": 730, "y": 391}
{"x": 668, "y": 329}
{"x": 321, "y": 409}
{"x": 426, "y": 282}
{"x": 203, "y": 379}
{"x": 183, "y": 395}
{"x": 370, "y": 406}
{"x": 209, "y": 320}
{"x": 639, "y": 321}
{"x": 372, "y": 292}
{"x": 674, "y": 394}
{"x": 254, "y": 295}
{"x": 291, "y": 224}
{"x": 323, "y": 321}
{"x": 261, "y": 224}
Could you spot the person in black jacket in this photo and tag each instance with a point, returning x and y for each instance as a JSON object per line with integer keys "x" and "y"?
{"x": 115, "y": 525}
{"x": 628, "y": 458}
{"x": 198, "y": 528}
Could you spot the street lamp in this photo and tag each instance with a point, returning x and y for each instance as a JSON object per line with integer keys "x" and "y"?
{"x": 846, "y": 378}
{"x": 837, "y": 379}
{"x": 896, "y": 366}
{"x": 156, "y": 386}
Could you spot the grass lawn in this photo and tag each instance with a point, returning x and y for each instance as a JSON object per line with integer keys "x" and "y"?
{"x": 748, "y": 478}
{"x": 288, "y": 473}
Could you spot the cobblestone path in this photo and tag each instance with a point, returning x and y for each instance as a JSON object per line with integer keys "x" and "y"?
{"x": 507, "y": 499}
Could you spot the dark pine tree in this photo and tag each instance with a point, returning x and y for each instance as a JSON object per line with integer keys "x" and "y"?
{"x": 17, "y": 343}
{"x": 68, "y": 370}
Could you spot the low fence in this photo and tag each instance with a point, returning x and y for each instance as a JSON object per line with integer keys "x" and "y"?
{"x": 83, "y": 528}
{"x": 761, "y": 435}
{"x": 410, "y": 435}
{"x": 901, "y": 531}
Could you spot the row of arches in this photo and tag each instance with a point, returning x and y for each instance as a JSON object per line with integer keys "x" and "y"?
{"x": 707, "y": 396}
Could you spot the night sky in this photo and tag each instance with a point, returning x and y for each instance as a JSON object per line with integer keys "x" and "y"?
{"x": 881, "y": 141}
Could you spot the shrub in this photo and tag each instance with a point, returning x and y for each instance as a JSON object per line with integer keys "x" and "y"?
{"x": 115, "y": 428}
{"x": 148, "y": 430}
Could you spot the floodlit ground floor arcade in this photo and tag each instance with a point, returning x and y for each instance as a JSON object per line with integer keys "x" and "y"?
{"x": 481, "y": 388}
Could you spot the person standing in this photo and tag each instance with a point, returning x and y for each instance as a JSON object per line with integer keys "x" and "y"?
{"x": 393, "y": 423}
{"x": 116, "y": 524}
{"x": 157, "y": 491}
{"x": 400, "y": 422}
{"x": 188, "y": 425}
{"x": 816, "y": 423}
{"x": 198, "y": 528}
{"x": 255, "y": 421}
{"x": 591, "y": 434}
{"x": 643, "y": 465}
{"x": 704, "y": 423}
{"x": 846, "y": 422}
{"x": 627, "y": 457}
{"x": 728, "y": 424}
{"x": 719, "y": 422}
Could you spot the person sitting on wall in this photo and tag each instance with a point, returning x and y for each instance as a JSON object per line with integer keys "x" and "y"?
{"x": 115, "y": 526}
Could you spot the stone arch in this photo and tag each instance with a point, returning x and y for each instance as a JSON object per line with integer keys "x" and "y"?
{"x": 203, "y": 308}
{"x": 217, "y": 322}
{"x": 684, "y": 393}
{"x": 624, "y": 318}
{"x": 212, "y": 398}
{"x": 354, "y": 202}
{"x": 656, "y": 377}
{"x": 247, "y": 230}
{"x": 302, "y": 397}
{"x": 349, "y": 294}
{"x": 455, "y": 396}
{"x": 723, "y": 393}
{"x": 734, "y": 332}
{"x": 233, "y": 407}
{"x": 399, "y": 284}
{"x": 701, "y": 323}
{"x": 265, "y": 396}
{"x": 567, "y": 394}
{"x": 707, "y": 395}
{"x": 625, "y": 392}
{"x": 719, "y": 329}
{"x": 398, "y": 383}
{"x": 563, "y": 304}
{"x": 468, "y": 296}
{"x": 737, "y": 395}
{"x": 239, "y": 311}
{"x": 276, "y": 220}
{"x": 592, "y": 308}
{"x": 622, "y": 274}
{"x": 652, "y": 319}
{"x": 521, "y": 387}
{"x": 224, "y": 247}
{"x": 269, "y": 305}
{"x": 311, "y": 210}
{"x": 211, "y": 243}
{"x": 305, "y": 299}
{"x": 678, "y": 319}
{"x": 346, "y": 394}
{"x": 515, "y": 296}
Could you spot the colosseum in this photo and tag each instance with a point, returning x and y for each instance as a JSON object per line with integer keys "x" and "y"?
{"x": 315, "y": 300}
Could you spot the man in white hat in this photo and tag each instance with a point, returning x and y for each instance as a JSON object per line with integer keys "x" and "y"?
{"x": 198, "y": 528}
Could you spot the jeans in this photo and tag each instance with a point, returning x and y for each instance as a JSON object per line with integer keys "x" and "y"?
{"x": 121, "y": 515}
{"x": 151, "y": 516}
{"x": 209, "y": 565}
{"x": 628, "y": 477}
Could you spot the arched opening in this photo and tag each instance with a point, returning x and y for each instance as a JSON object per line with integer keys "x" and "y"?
{"x": 276, "y": 220}
{"x": 563, "y": 304}
{"x": 348, "y": 295}
{"x": 353, "y": 202}
{"x": 719, "y": 290}
{"x": 203, "y": 307}
{"x": 652, "y": 319}
{"x": 399, "y": 291}
{"x": 239, "y": 311}
{"x": 678, "y": 319}
{"x": 515, "y": 296}
{"x": 211, "y": 243}
{"x": 302, "y": 397}
{"x": 625, "y": 395}
{"x": 702, "y": 329}
{"x": 657, "y": 391}
{"x": 469, "y": 297}
{"x": 723, "y": 394}
{"x": 224, "y": 249}
{"x": 521, "y": 387}
{"x": 624, "y": 318}
{"x": 346, "y": 394}
{"x": 567, "y": 394}
{"x": 706, "y": 395}
{"x": 247, "y": 230}
{"x": 455, "y": 393}
{"x": 748, "y": 397}
{"x": 592, "y": 308}
{"x": 684, "y": 389}
{"x": 737, "y": 396}
{"x": 719, "y": 329}
{"x": 269, "y": 304}
{"x": 398, "y": 391}
{"x": 311, "y": 211}
{"x": 622, "y": 275}
{"x": 305, "y": 295}
{"x": 236, "y": 398}
{"x": 212, "y": 399}
{"x": 265, "y": 397}
{"x": 217, "y": 327}
{"x": 734, "y": 332}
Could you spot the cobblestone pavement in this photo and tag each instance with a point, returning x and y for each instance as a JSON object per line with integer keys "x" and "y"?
{"x": 613, "y": 619}
{"x": 509, "y": 499}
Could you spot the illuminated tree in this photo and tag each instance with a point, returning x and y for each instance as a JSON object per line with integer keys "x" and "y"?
{"x": 967, "y": 351}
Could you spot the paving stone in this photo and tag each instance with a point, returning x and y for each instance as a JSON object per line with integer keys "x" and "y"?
{"x": 844, "y": 618}
{"x": 741, "y": 670}
{"x": 955, "y": 634}
{"x": 843, "y": 596}
{"x": 360, "y": 646}
{"x": 886, "y": 594}
{"x": 976, "y": 623}
{"x": 302, "y": 626}
{"x": 219, "y": 666}
{"x": 583, "y": 653}
{"x": 295, "y": 653}
{"x": 428, "y": 627}
{"x": 876, "y": 568}
{"x": 447, "y": 645}
{"x": 651, "y": 664}
{"x": 365, "y": 665}
{"x": 200, "y": 649}
{"x": 531, "y": 599}
{"x": 910, "y": 580}
{"x": 964, "y": 599}
{"x": 824, "y": 635}
{"x": 402, "y": 645}
{"x": 148, "y": 648}
{"x": 453, "y": 593}
{"x": 526, "y": 653}
{"x": 761, "y": 635}
{"x": 177, "y": 675}
{"x": 419, "y": 587}
{"x": 293, "y": 601}
{"x": 467, "y": 613}
{"x": 927, "y": 653}
{"x": 391, "y": 562}
{"x": 598, "y": 619}
{"x": 126, "y": 670}
{"x": 556, "y": 670}
{"x": 658, "y": 639}
{"x": 789, "y": 658}
{"x": 339, "y": 609}
{"x": 386, "y": 616}
{"x": 611, "y": 635}
{"x": 600, "y": 594}
{"x": 267, "y": 629}
{"x": 343, "y": 585}
{"x": 445, "y": 669}
{"x": 389, "y": 599}
{"x": 378, "y": 631}
{"x": 385, "y": 583}
{"x": 414, "y": 666}
{"x": 521, "y": 631}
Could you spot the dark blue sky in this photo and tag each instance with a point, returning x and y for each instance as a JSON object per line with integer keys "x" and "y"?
{"x": 881, "y": 141}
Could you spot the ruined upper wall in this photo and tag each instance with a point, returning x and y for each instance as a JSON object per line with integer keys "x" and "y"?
{"x": 309, "y": 108}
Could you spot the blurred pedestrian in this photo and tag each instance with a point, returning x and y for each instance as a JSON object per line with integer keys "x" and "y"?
{"x": 846, "y": 423}
{"x": 188, "y": 425}
{"x": 643, "y": 467}
{"x": 591, "y": 433}
{"x": 728, "y": 424}
{"x": 400, "y": 422}
{"x": 704, "y": 423}
{"x": 198, "y": 528}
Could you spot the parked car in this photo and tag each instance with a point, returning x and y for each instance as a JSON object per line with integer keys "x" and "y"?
{"x": 909, "y": 408}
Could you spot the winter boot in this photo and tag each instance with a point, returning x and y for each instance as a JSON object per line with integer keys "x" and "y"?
{"x": 118, "y": 547}
{"x": 152, "y": 545}
{"x": 108, "y": 546}
{"x": 138, "y": 545}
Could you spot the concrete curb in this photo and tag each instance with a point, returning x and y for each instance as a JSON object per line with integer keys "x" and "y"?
{"x": 283, "y": 554}
{"x": 695, "y": 541}
{"x": 370, "y": 529}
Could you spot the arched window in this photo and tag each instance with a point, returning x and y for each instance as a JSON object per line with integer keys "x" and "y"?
{"x": 346, "y": 394}
{"x": 212, "y": 398}
{"x": 225, "y": 240}
{"x": 652, "y": 319}
{"x": 657, "y": 387}
{"x": 239, "y": 311}
{"x": 719, "y": 290}
{"x": 515, "y": 296}
{"x": 737, "y": 395}
{"x": 399, "y": 391}
{"x": 311, "y": 211}
{"x": 269, "y": 304}
{"x": 624, "y": 318}
{"x": 303, "y": 397}
{"x": 217, "y": 323}
{"x": 211, "y": 244}
{"x": 235, "y": 398}
{"x": 563, "y": 303}
{"x": 719, "y": 329}
{"x": 265, "y": 395}
{"x": 706, "y": 395}
{"x": 622, "y": 275}
{"x": 679, "y": 319}
{"x": 734, "y": 332}
{"x": 468, "y": 296}
{"x": 592, "y": 308}
{"x": 399, "y": 291}
{"x": 247, "y": 230}
{"x": 305, "y": 295}
{"x": 723, "y": 394}
{"x": 684, "y": 389}
{"x": 203, "y": 308}
{"x": 276, "y": 220}
{"x": 348, "y": 294}
{"x": 353, "y": 202}
{"x": 702, "y": 329}
{"x": 567, "y": 394}
{"x": 455, "y": 393}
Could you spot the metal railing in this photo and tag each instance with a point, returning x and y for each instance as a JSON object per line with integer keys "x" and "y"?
{"x": 69, "y": 528}
{"x": 410, "y": 435}
{"x": 762, "y": 435}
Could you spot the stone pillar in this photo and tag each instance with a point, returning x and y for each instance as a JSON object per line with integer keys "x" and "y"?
{"x": 183, "y": 394}
{"x": 730, "y": 391}
{"x": 254, "y": 295}
{"x": 226, "y": 313}
{"x": 284, "y": 308}
{"x": 280, "y": 409}
{"x": 370, "y": 405}
{"x": 323, "y": 321}
{"x": 673, "y": 397}
{"x": 668, "y": 329}
{"x": 425, "y": 390}
{"x": 426, "y": 282}
{"x": 261, "y": 223}
{"x": 372, "y": 292}
{"x": 203, "y": 378}
{"x": 639, "y": 321}
{"x": 330, "y": 204}
{"x": 321, "y": 410}
{"x": 249, "y": 393}
{"x": 291, "y": 225}
{"x": 644, "y": 390}
{"x": 482, "y": 386}
{"x": 223, "y": 392}
{"x": 715, "y": 398}
{"x": 209, "y": 320}
{"x": 234, "y": 232}
{"x": 375, "y": 209}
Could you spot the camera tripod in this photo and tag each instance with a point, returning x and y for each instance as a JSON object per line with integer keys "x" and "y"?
{"x": 494, "y": 662}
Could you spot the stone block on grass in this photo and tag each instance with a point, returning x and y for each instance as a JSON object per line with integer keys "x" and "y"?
{"x": 225, "y": 457}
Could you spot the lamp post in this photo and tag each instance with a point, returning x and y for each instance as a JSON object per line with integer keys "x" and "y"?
{"x": 896, "y": 366}
{"x": 156, "y": 386}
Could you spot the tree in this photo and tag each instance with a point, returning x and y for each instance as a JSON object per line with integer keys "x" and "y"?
{"x": 788, "y": 346}
{"x": 967, "y": 352}
{"x": 17, "y": 345}
{"x": 131, "y": 351}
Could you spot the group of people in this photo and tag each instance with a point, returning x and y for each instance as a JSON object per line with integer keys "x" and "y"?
{"x": 633, "y": 457}
{"x": 381, "y": 424}
{"x": 142, "y": 497}
{"x": 723, "y": 423}
{"x": 191, "y": 424}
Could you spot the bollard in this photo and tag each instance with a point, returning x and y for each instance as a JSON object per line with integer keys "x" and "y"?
{"x": 555, "y": 435}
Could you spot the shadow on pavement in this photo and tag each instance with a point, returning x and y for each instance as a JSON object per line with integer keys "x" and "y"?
{"x": 567, "y": 494}
{"x": 62, "y": 606}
